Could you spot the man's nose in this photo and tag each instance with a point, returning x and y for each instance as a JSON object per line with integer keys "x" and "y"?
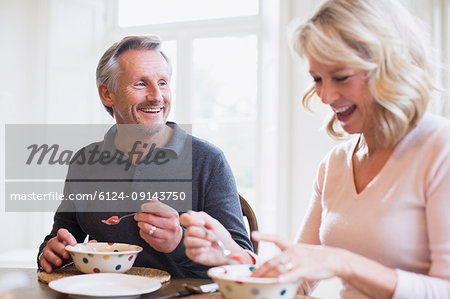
{"x": 154, "y": 93}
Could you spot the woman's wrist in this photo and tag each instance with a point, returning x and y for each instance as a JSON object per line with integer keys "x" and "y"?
{"x": 242, "y": 256}
{"x": 368, "y": 276}
{"x": 343, "y": 261}
{"x": 251, "y": 257}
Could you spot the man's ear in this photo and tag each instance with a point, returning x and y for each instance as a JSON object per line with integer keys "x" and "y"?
{"x": 105, "y": 95}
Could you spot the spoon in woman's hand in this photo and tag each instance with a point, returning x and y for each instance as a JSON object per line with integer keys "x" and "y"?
{"x": 229, "y": 257}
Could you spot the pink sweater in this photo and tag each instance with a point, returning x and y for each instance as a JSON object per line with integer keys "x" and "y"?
{"x": 401, "y": 219}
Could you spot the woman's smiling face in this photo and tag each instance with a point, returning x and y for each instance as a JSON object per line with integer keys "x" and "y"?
{"x": 346, "y": 90}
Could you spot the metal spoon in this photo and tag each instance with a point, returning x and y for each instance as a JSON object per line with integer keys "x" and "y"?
{"x": 114, "y": 221}
{"x": 202, "y": 289}
{"x": 225, "y": 252}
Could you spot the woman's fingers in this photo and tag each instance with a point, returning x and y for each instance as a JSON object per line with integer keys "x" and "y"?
{"x": 278, "y": 241}
{"x": 196, "y": 237}
{"x": 196, "y": 243}
{"x": 271, "y": 268}
{"x": 198, "y": 232}
{"x": 191, "y": 219}
{"x": 293, "y": 275}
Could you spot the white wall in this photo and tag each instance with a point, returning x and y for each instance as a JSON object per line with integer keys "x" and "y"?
{"x": 20, "y": 102}
{"x": 49, "y": 49}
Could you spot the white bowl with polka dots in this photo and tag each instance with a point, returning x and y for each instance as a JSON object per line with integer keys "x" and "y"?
{"x": 235, "y": 282}
{"x": 103, "y": 257}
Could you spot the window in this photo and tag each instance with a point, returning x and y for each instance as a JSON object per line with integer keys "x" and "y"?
{"x": 146, "y": 12}
{"x": 224, "y": 101}
{"x": 216, "y": 51}
{"x": 435, "y": 15}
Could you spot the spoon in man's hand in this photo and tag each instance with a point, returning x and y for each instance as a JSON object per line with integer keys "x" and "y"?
{"x": 113, "y": 220}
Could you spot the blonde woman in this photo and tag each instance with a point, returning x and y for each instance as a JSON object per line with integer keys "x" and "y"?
{"x": 379, "y": 217}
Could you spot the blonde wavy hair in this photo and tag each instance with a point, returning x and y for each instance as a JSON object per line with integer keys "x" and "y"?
{"x": 384, "y": 39}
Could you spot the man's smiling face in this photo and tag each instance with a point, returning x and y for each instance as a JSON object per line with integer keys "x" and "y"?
{"x": 143, "y": 94}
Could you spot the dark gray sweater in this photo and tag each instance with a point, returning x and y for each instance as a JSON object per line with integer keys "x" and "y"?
{"x": 196, "y": 167}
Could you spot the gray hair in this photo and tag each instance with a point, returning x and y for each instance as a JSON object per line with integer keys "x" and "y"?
{"x": 108, "y": 67}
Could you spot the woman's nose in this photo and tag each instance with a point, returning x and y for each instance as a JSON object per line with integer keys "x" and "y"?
{"x": 327, "y": 93}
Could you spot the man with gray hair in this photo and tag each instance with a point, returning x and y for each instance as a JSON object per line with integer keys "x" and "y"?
{"x": 133, "y": 80}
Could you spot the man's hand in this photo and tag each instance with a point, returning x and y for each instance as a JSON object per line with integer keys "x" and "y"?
{"x": 159, "y": 226}
{"x": 54, "y": 254}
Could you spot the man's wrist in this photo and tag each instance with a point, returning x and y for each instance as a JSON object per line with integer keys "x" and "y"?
{"x": 39, "y": 261}
{"x": 180, "y": 245}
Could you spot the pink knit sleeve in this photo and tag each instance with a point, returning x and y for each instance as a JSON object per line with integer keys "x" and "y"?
{"x": 309, "y": 231}
{"x": 417, "y": 286}
{"x": 438, "y": 214}
{"x": 437, "y": 283}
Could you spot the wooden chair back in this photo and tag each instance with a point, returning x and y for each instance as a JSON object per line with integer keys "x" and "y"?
{"x": 248, "y": 213}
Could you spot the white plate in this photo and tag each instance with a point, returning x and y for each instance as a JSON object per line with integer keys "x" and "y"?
{"x": 105, "y": 285}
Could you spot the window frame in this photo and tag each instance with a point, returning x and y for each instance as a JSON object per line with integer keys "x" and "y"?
{"x": 266, "y": 27}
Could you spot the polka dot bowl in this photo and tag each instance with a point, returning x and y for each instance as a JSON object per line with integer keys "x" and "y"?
{"x": 235, "y": 282}
{"x": 103, "y": 257}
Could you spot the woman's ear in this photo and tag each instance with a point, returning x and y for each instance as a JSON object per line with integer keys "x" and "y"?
{"x": 105, "y": 95}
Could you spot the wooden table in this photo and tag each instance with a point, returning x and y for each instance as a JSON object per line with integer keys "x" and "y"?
{"x": 38, "y": 290}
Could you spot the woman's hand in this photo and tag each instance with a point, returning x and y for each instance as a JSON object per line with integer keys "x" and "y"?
{"x": 200, "y": 246}
{"x": 315, "y": 262}
{"x": 299, "y": 261}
